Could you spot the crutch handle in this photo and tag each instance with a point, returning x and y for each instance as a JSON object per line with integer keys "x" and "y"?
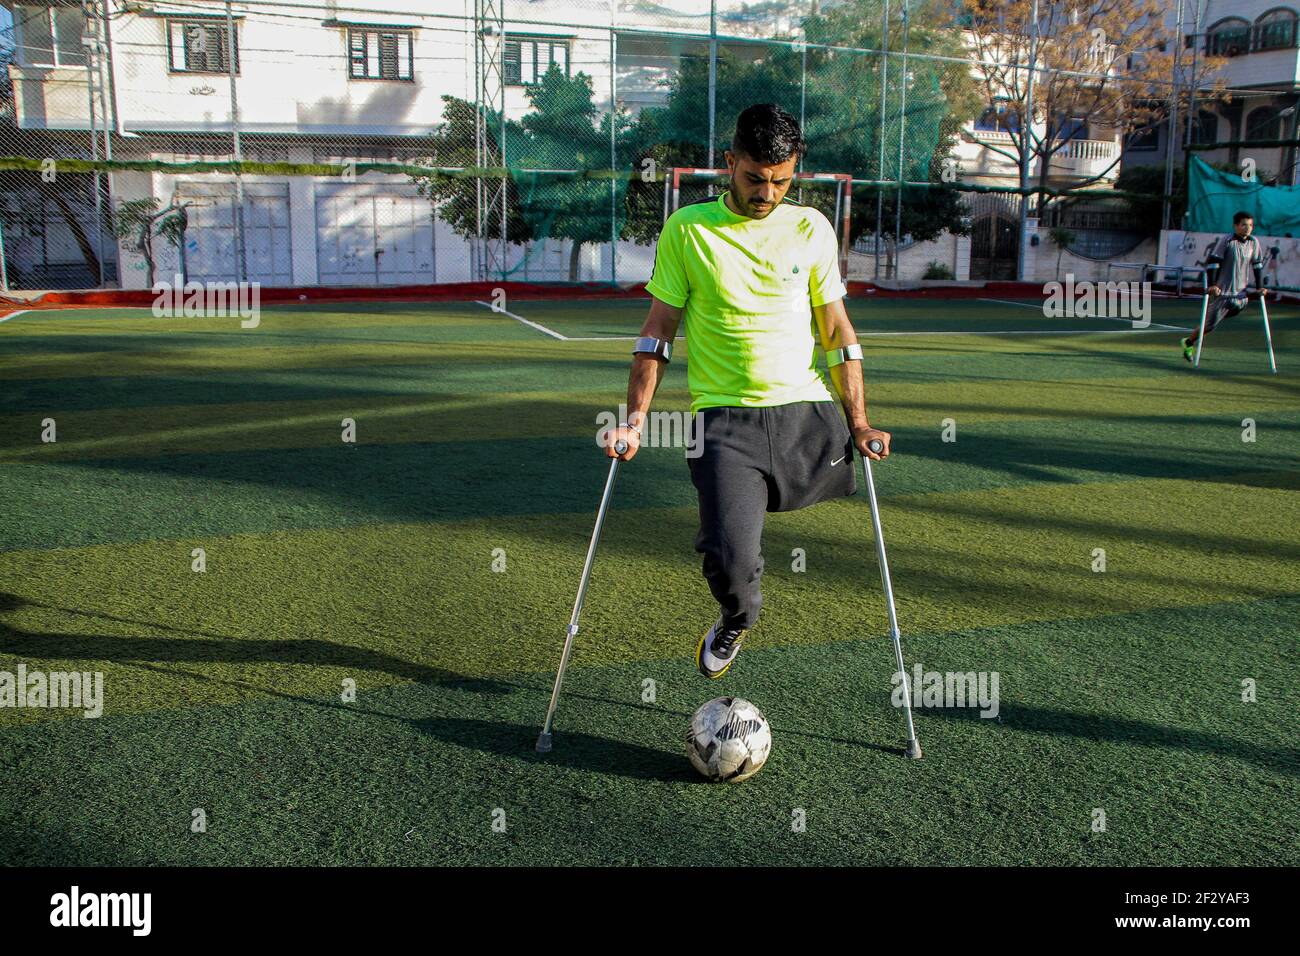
{"x": 876, "y": 446}
{"x": 620, "y": 446}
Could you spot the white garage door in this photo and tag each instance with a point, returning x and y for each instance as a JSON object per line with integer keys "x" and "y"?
{"x": 211, "y": 253}
{"x": 373, "y": 235}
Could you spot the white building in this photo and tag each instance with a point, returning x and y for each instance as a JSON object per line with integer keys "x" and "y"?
{"x": 1262, "y": 44}
{"x": 355, "y": 81}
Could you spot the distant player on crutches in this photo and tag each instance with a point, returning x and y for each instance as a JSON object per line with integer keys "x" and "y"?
{"x": 1231, "y": 264}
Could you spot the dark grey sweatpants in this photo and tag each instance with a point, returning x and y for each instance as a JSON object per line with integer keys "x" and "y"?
{"x": 1222, "y": 307}
{"x": 755, "y": 460}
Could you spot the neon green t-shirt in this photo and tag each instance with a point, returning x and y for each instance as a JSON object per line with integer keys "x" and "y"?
{"x": 749, "y": 287}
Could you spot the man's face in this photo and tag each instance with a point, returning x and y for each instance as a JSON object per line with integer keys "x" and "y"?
{"x": 757, "y": 188}
{"x": 1244, "y": 227}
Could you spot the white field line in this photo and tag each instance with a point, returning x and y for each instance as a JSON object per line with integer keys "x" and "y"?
{"x": 1156, "y": 327}
{"x": 563, "y": 338}
{"x": 1023, "y": 305}
{"x": 1026, "y": 305}
{"x": 14, "y": 315}
{"x": 519, "y": 318}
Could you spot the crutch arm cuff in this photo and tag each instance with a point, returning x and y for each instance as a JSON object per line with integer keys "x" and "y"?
{"x": 850, "y": 353}
{"x": 659, "y": 348}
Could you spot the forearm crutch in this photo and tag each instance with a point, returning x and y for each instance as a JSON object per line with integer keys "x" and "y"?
{"x": 1268, "y": 334}
{"x": 544, "y": 738}
{"x": 913, "y": 745}
{"x": 1200, "y": 336}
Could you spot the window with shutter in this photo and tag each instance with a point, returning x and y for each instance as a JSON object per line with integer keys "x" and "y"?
{"x": 388, "y": 56}
{"x": 200, "y": 46}
{"x": 375, "y": 54}
{"x": 511, "y": 60}
{"x": 526, "y": 61}
{"x": 356, "y": 54}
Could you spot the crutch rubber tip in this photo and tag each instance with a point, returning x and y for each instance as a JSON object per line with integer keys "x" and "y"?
{"x": 543, "y": 743}
{"x": 914, "y": 749}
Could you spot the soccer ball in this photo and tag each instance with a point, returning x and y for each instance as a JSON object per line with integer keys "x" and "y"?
{"x": 728, "y": 740}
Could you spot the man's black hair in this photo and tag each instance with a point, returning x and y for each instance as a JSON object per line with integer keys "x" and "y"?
{"x": 1240, "y": 216}
{"x": 768, "y": 134}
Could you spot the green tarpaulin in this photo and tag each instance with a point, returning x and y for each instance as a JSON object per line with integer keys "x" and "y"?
{"x": 1213, "y": 196}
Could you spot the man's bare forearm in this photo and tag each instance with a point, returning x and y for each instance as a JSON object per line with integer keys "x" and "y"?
{"x": 837, "y": 333}
{"x": 647, "y": 372}
{"x": 847, "y": 379}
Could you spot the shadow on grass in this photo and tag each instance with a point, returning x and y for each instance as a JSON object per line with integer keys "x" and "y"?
{"x": 212, "y": 648}
{"x": 1056, "y": 722}
{"x": 572, "y": 750}
{"x": 27, "y": 839}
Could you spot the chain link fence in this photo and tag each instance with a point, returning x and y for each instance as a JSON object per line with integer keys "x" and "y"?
{"x": 385, "y": 143}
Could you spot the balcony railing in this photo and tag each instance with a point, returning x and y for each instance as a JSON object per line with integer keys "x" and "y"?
{"x": 1086, "y": 158}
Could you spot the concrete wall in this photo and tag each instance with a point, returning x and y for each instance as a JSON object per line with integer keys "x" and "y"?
{"x": 1041, "y": 260}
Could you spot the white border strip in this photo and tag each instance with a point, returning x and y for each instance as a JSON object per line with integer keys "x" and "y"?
{"x": 14, "y": 315}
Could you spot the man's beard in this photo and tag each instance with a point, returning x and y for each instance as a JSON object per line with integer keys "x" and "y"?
{"x": 744, "y": 207}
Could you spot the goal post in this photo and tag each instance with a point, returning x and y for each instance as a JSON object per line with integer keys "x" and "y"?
{"x": 832, "y": 193}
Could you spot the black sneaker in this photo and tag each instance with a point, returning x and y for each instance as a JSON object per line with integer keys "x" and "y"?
{"x": 718, "y": 649}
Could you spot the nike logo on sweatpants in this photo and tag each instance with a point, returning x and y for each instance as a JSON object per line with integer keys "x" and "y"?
{"x": 837, "y": 461}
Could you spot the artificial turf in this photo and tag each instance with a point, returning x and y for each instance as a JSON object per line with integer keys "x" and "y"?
{"x": 372, "y": 562}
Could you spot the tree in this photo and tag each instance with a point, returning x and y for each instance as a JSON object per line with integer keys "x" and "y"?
{"x": 1112, "y": 61}
{"x": 842, "y": 115}
{"x": 562, "y": 133}
{"x": 547, "y": 152}
{"x": 456, "y": 198}
{"x": 941, "y": 97}
{"x": 1151, "y": 180}
{"x": 140, "y": 220}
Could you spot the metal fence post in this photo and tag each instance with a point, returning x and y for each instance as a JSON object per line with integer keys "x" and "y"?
{"x": 4, "y": 270}
{"x": 902, "y": 137}
{"x": 880, "y": 170}
{"x": 713, "y": 79}
{"x": 241, "y": 254}
{"x": 613, "y": 150}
